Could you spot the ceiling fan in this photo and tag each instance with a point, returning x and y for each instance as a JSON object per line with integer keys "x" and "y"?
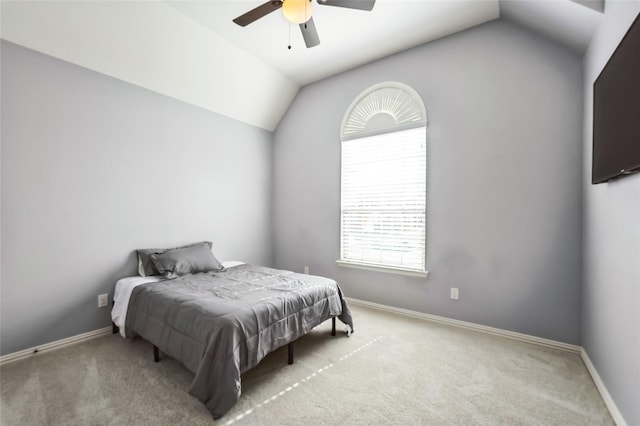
{"x": 299, "y": 12}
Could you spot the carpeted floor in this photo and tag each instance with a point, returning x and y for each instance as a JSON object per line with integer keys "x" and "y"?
{"x": 393, "y": 370}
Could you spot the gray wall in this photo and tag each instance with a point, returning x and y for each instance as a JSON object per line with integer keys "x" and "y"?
{"x": 505, "y": 181}
{"x": 93, "y": 168}
{"x": 611, "y": 294}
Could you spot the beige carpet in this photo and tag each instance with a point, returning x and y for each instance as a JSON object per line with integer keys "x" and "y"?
{"x": 393, "y": 370}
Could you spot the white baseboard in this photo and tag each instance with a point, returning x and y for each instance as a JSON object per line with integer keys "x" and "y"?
{"x": 604, "y": 393}
{"x": 47, "y": 347}
{"x": 472, "y": 326}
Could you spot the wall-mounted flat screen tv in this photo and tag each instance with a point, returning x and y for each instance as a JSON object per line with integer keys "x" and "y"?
{"x": 616, "y": 111}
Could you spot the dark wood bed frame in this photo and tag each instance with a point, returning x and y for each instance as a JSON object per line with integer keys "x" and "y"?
{"x": 156, "y": 351}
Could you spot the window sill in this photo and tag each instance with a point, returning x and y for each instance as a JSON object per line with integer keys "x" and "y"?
{"x": 386, "y": 269}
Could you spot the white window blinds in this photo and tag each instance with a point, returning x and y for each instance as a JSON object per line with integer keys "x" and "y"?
{"x": 384, "y": 200}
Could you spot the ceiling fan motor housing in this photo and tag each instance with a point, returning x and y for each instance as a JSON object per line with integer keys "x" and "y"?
{"x": 297, "y": 11}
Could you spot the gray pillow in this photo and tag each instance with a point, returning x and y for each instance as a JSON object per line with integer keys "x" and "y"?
{"x": 186, "y": 260}
{"x": 145, "y": 265}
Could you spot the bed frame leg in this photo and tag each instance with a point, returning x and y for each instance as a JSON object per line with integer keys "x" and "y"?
{"x": 290, "y": 347}
{"x": 115, "y": 328}
{"x": 333, "y": 326}
{"x": 156, "y": 354}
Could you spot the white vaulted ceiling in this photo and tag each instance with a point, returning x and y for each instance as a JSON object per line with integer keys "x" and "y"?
{"x": 348, "y": 37}
{"x": 192, "y": 51}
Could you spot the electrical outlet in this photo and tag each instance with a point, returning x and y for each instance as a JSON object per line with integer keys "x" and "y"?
{"x": 454, "y": 293}
{"x": 103, "y": 300}
{"x": 306, "y": 270}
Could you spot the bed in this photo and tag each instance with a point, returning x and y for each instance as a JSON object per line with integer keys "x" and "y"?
{"x": 222, "y": 322}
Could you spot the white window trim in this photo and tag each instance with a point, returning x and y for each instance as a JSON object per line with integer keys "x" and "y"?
{"x": 354, "y": 127}
{"x": 380, "y": 268}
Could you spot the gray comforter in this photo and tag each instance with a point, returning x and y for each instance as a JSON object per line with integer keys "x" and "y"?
{"x": 221, "y": 324}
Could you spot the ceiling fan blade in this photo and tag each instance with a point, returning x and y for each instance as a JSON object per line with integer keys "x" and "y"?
{"x": 350, "y": 4}
{"x": 257, "y": 13}
{"x": 309, "y": 33}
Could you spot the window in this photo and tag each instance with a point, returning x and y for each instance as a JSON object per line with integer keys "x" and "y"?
{"x": 383, "y": 197}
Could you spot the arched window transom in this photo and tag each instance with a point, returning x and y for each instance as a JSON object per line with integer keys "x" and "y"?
{"x": 383, "y": 108}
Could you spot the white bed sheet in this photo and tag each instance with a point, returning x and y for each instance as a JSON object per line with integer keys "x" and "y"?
{"x": 125, "y": 286}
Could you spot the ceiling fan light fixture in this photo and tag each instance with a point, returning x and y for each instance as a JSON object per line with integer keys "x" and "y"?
{"x": 297, "y": 11}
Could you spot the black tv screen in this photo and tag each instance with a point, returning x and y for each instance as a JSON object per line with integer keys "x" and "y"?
{"x": 616, "y": 111}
